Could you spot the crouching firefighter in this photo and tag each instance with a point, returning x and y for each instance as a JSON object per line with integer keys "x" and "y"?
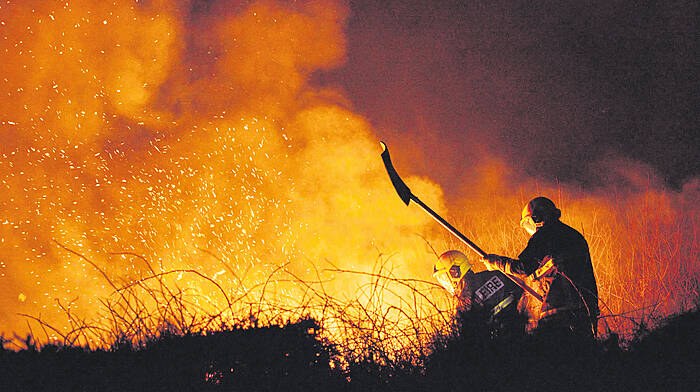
{"x": 488, "y": 291}
{"x": 558, "y": 259}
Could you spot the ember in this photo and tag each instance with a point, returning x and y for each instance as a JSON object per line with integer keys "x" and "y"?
{"x": 171, "y": 165}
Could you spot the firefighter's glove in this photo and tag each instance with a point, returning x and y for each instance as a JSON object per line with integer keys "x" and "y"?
{"x": 491, "y": 262}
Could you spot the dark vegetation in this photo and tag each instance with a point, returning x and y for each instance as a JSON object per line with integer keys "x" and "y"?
{"x": 293, "y": 357}
{"x": 243, "y": 359}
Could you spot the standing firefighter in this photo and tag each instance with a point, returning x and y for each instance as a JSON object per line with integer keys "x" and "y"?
{"x": 558, "y": 257}
{"x": 488, "y": 291}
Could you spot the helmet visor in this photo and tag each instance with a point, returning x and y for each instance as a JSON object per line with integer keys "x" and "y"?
{"x": 443, "y": 277}
{"x": 528, "y": 224}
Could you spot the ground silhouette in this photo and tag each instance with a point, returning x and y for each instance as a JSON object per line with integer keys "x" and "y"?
{"x": 477, "y": 356}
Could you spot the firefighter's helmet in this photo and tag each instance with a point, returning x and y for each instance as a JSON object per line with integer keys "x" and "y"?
{"x": 450, "y": 268}
{"x": 537, "y": 213}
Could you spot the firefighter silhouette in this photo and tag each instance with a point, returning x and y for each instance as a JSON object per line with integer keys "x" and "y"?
{"x": 490, "y": 291}
{"x": 571, "y": 294}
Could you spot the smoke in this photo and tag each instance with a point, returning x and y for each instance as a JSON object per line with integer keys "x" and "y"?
{"x": 550, "y": 89}
{"x": 156, "y": 136}
{"x": 143, "y": 137}
{"x": 588, "y": 104}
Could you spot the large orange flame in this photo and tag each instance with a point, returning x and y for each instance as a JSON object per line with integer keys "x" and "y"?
{"x": 143, "y": 141}
{"x": 156, "y": 152}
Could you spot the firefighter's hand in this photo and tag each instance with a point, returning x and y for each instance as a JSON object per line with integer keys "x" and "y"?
{"x": 490, "y": 261}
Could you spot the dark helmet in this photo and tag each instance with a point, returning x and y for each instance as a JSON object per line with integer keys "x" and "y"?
{"x": 538, "y": 212}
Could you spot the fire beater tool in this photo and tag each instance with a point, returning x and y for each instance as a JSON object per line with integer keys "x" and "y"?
{"x": 406, "y": 196}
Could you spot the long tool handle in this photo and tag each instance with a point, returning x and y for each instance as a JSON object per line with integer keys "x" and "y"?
{"x": 406, "y": 196}
{"x": 473, "y": 246}
{"x": 449, "y": 227}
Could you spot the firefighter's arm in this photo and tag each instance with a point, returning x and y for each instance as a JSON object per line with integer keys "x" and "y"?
{"x": 507, "y": 265}
{"x": 494, "y": 262}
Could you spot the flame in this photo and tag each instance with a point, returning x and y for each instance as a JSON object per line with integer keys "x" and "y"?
{"x": 151, "y": 146}
{"x": 161, "y": 154}
{"x": 642, "y": 237}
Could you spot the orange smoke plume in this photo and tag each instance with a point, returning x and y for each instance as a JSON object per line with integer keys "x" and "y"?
{"x": 146, "y": 140}
{"x": 158, "y": 152}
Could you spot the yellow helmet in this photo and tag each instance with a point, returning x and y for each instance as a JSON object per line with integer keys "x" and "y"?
{"x": 450, "y": 268}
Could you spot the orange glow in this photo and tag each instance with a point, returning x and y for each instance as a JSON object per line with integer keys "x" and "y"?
{"x": 148, "y": 161}
{"x": 642, "y": 238}
{"x": 156, "y": 164}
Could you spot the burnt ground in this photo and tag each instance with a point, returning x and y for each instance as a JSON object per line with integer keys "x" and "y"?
{"x": 292, "y": 357}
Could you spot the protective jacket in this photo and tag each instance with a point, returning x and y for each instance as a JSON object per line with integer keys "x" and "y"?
{"x": 490, "y": 290}
{"x": 572, "y": 289}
